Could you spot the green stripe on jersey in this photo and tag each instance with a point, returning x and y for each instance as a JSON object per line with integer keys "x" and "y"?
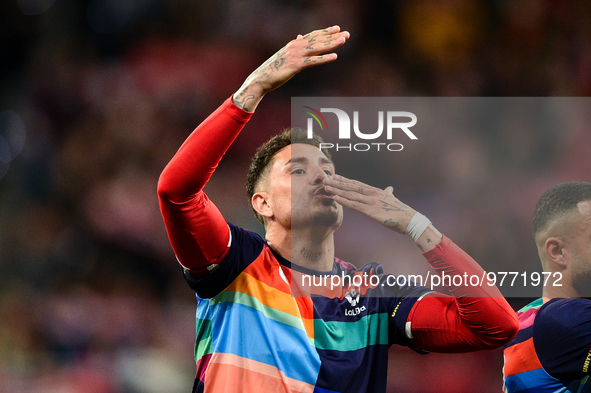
{"x": 350, "y": 336}
{"x": 204, "y": 345}
{"x": 535, "y": 304}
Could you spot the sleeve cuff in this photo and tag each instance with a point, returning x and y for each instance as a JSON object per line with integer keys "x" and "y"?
{"x": 237, "y": 113}
{"x": 444, "y": 245}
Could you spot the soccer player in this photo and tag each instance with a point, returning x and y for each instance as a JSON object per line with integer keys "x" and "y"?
{"x": 257, "y": 331}
{"x": 552, "y": 350}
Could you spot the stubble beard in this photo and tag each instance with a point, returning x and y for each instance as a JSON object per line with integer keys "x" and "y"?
{"x": 325, "y": 218}
{"x": 582, "y": 283}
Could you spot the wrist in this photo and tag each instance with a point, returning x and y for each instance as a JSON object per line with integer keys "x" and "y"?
{"x": 248, "y": 97}
{"x": 423, "y": 233}
{"x": 416, "y": 226}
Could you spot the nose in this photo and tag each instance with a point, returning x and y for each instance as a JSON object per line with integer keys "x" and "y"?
{"x": 319, "y": 176}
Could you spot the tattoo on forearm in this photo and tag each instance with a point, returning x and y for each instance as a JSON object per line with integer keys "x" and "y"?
{"x": 420, "y": 248}
{"x": 392, "y": 224}
{"x": 310, "y": 255}
{"x": 242, "y": 100}
{"x": 278, "y": 63}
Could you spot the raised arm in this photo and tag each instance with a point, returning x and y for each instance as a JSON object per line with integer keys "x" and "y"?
{"x": 197, "y": 231}
{"x": 303, "y": 52}
{"x": 475, "y": 317}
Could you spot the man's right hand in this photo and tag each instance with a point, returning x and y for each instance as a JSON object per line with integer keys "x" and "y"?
{"x": 303, "y": 52}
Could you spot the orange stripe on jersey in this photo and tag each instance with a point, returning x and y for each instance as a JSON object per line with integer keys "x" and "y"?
{"x": 265, "y": 294}
{"x": 230, "y": 373}
{"x": 265, "y": 268}
{"x": 274, "y": 290}
{"x": 260, "y": 271}
{"x": 306, "y": 307}
{"x": 521, "y": 358}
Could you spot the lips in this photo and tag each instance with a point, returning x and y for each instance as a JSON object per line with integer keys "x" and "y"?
{"x": 321, "y": 192}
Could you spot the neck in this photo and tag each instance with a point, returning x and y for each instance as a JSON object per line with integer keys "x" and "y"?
{"x": 312, "y": 248}
{"x": 552, "y": 290}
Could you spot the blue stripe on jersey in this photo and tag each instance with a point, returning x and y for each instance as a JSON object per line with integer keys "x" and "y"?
{"x": 537, "y": 381}
{"x": 251, "y": 335}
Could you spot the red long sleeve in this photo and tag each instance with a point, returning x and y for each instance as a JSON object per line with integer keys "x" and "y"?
{"x": 197, "y": 231}
{"x": 476, "y": 317}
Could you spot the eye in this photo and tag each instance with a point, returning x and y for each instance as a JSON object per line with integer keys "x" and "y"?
{"x": 298, "y": 172}
{"x": 328, "y": 172}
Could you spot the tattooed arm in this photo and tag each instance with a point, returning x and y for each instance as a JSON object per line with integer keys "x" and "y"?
{"x": 197, "y": 230}
{"x": 303, "y": 52}
{"x": 475, "y": 317}
{"x": 381, "y": 206}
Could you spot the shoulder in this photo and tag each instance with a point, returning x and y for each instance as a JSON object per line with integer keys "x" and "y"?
{"x": 245, "y": 240}
{"x": 244, "y": 248}
{"x": 560, "y": 314}
{"x": 562, "y": 337}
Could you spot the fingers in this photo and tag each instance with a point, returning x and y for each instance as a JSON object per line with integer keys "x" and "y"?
{"x": 341, "y": 195}
{"x": 357, "y": 185}
{"x": 352, "y": 190}
{"x": 355, "y": 191}
{"x": 317, "y": 60}
{"x": 344, "y": 183}
{"x": 351, "y": 204}
{"x": 377, "y": 204}
{"x": 318, "y": 42}
{"x": 303, "y": 52}
{"x": 323, "y": 32}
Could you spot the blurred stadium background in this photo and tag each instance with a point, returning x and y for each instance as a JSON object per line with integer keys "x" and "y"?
{"x": 97, "y": 95}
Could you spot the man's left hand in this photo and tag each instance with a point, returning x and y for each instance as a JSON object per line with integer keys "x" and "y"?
{"x": 379, "y": 205}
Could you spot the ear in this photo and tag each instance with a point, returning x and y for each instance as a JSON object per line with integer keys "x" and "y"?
{"x": 556, "y": 251}
{"x": 260, "y": 203}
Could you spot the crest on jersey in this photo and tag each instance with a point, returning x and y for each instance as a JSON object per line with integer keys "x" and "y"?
{"x": 353, "y": 294}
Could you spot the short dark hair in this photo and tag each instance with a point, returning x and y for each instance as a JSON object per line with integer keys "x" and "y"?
{"x": 558, "y": 200}
{"x": 265, "y": 153}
